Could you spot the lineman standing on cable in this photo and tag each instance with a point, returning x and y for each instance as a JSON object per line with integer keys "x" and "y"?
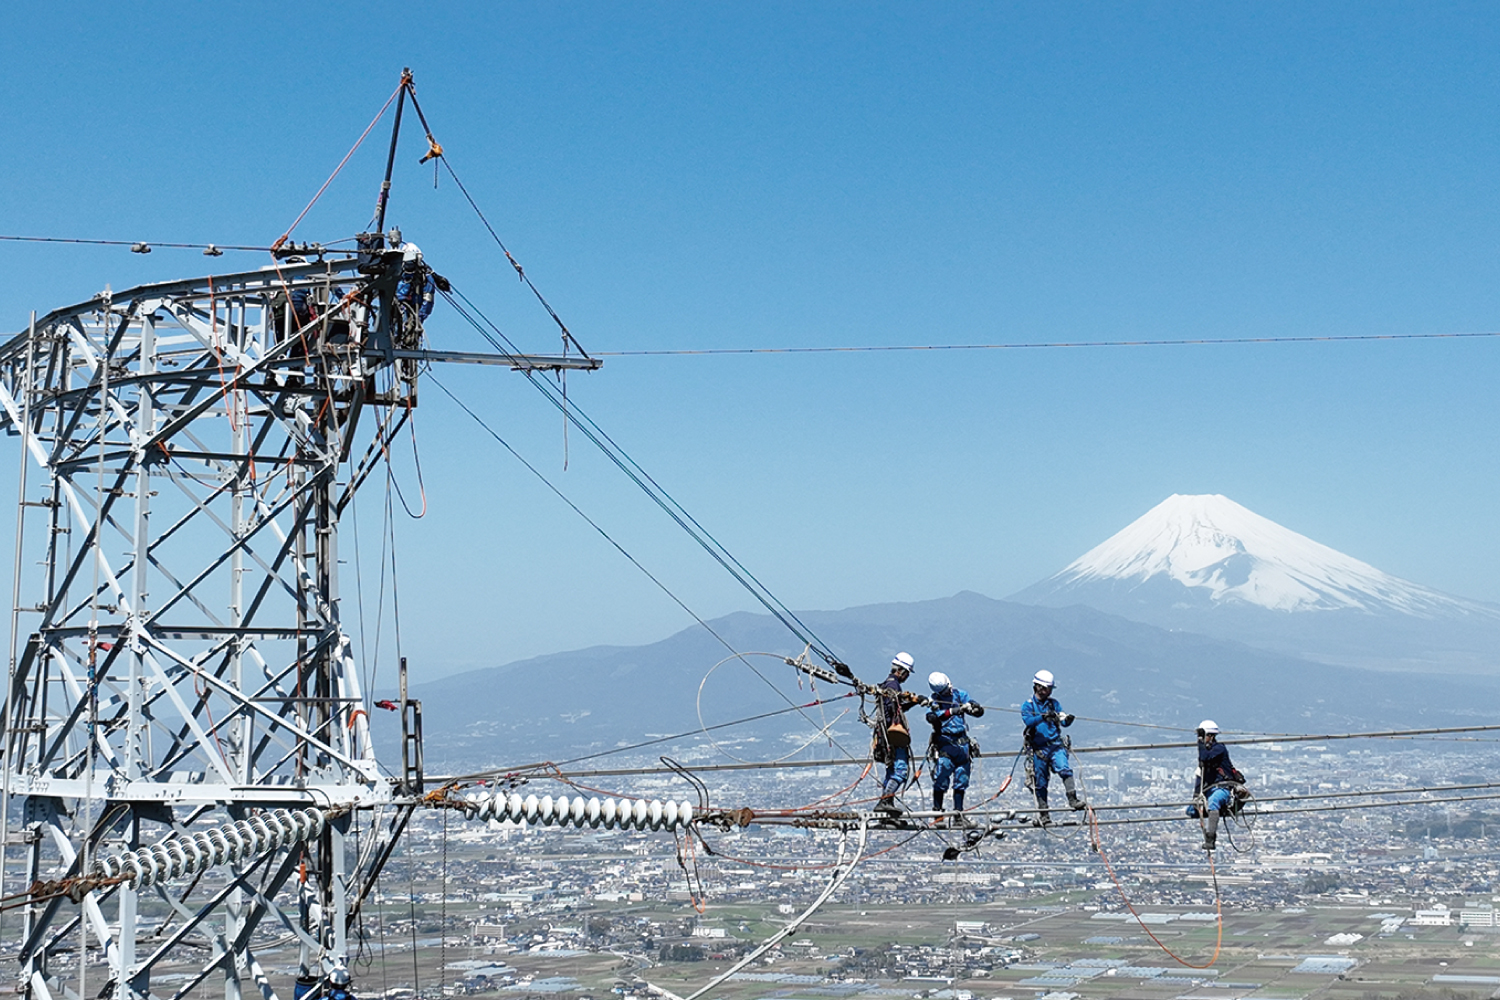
{"x": 1219, "y": 787}
{"x": 892, "y": 736}
{"x": 950, "y": 741}
{"x": 1045, "y": 720}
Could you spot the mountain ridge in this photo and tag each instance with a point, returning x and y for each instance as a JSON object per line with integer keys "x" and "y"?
{"x": 590, "y": 701}
{"x": 1206, "y": 564}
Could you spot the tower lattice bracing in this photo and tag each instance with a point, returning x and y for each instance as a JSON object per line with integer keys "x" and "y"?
{"x": 179, "y": 672}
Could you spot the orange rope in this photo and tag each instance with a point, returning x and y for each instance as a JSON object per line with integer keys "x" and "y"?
{"x": 843, "y": 791}
{"x": 1218, "y": 901}
{"x": 557, "y": 775}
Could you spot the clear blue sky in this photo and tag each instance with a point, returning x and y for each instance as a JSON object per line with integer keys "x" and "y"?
{"x": 715, "y": 175}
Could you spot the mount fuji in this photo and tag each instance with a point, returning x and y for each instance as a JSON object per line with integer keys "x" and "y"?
{"x": 1207, "y": 564}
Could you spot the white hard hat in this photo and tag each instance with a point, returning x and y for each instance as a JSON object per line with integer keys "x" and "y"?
{"x": 410, "y": 252}
{"x": 904, "y": 661}
{"x": 339, "y": 976}
{"x": 1208, "y": 726}
{"x": 1044, "y": 678}
{"x": 938, "y": 681}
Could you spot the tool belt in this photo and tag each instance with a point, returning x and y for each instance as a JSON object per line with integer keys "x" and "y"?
{"x": 895, "y": 735}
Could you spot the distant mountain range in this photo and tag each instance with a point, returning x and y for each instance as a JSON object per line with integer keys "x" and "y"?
{"x": 1206, "y": 564}
{"x": 569, "y": 704}
{"x": 1198, "y": 608}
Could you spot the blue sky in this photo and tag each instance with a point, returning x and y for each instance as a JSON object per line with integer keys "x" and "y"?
{"x": 683, "y": 176}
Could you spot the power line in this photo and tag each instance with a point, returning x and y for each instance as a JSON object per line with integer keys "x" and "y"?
{"x": 1338, "y": 807}
{"x": 644, "y": 481}
{"x": 146, "y": 245}
{"x": 1045, "y": 345}
{"x": 604, "y": 534}
{"x": 792, "y": 764}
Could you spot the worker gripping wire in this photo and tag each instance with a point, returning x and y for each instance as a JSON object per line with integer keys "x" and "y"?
{"x": 1219, "y": 789}
{"x": 1046, "y": 744}
{"x": 951, "y": 749}
{"x": 890, "y": 742}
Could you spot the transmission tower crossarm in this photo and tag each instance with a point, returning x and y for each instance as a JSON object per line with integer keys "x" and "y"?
{"x": 518, "y": 362}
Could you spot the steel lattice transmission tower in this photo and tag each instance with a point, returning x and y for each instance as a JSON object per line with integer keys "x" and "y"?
{"x": 189, "y": 448}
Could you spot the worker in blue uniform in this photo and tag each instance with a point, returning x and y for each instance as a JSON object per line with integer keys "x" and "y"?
{"x": 1045, "y": 721}
{"x": 948, "y": 715}
{"x": 892, "y": 735}
{"x": 1219, "y": 786}
{"x": 418, "y": 284}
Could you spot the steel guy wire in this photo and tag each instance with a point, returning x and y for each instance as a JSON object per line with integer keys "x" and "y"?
{"x": 621, "y": 549}
{"x": 571, "y": 415}
{"x": 653, "y": 490}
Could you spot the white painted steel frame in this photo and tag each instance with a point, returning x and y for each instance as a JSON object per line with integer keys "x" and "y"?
{"x": 194, "y": 444}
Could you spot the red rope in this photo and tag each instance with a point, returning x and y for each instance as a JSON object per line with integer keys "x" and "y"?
{"x": 1218, "y": 901}
{"x": 357, "y": 143}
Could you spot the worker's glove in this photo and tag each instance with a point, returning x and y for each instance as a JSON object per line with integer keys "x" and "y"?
{"x": 1067, "y": 720}
{"x": 1051, "y": 717}
{"x": 969, "y": 708}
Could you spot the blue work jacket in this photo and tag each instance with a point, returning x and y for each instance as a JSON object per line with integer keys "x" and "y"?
{"x": 949, "y": 724}
{"x": 1214, "y": 767}
{"x": 1041, "y": 732}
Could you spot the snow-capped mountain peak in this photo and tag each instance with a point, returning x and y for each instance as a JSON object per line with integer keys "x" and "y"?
{"x": 1230, "y": 555}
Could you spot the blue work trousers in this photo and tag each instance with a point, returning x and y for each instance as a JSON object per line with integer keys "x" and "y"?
{"x": 1047, "y": 760}
{"x": 952, "y": 768}
{"x": 1218, "y": 801}
{"x": 897, "y": 768}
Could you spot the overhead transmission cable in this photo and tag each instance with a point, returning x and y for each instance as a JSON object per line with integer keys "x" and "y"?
{"x": 139, "y": 246}
{"x": 644, "y": 481}
{"x": 606, "y": 444}
{"x": 794, "y": 764}
{"x": 622, "y": 550}
{"x": 1044, "y": 345}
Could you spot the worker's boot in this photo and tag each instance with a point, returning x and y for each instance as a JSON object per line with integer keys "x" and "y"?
{"x": 1211, "y": 830}
{"x": 1073, "y": 799}
{"x": 958, "y": 807}
{"x": 937, "y": 806}
{"x": 1043, "y": 816}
